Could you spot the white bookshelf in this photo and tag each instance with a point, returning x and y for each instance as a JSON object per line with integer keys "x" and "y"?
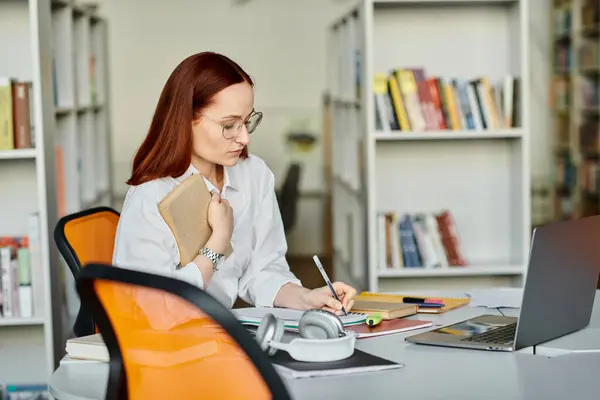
{"x": 482, "y": 176}
{"x": 49, "y": 43}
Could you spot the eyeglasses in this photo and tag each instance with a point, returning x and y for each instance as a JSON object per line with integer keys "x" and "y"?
{"x": 232, "y": 129}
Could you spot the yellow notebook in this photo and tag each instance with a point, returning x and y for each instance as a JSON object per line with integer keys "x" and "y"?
{"x": 387, "y": 310}
{"x": 449, "y": 302}
{"x": 185, "y": 210}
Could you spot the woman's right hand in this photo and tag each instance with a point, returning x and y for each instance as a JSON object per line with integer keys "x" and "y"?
{"x": 220, "y": 219}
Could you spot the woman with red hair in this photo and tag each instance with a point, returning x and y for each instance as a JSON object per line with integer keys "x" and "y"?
{"x": 202, "y": 124}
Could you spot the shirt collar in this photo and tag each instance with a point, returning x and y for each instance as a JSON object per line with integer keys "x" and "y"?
{"x": 229, "y": 181}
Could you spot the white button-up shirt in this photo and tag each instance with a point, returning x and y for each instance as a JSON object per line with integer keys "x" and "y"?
{"x": 257, "y": 267}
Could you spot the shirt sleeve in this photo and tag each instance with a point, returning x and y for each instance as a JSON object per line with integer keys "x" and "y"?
{"x": 145, "y": 243}
{"x": 269, "y": 269}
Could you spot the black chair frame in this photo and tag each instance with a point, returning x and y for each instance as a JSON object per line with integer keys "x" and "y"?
{"x": 117, "y": 380}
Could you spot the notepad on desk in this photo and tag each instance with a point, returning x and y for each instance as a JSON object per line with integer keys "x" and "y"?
{"x": 359, "y": 362}
{"x": 450, "y": 303}
{"x": 388, "y": 327}
{"x": 387, "y": 310}
{"x": 253, "y": 316}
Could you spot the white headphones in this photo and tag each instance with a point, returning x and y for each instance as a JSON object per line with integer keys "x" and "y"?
{"x": 322, "y": 337}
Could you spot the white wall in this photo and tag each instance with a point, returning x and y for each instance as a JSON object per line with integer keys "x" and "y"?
{"x": 280, "y": 43}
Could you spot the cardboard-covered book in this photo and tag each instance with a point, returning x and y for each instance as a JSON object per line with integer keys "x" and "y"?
{"x": 185, "y": 210}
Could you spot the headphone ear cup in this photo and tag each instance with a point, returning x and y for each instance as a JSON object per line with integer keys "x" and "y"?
{"x": 270, "y": 329}
{"x": 320, "y": 324}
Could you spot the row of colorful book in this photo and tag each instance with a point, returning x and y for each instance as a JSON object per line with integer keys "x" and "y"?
{"x": 421, "y": 240}
{"x": 408, "y": 100}
{"x": 21, "y": 274}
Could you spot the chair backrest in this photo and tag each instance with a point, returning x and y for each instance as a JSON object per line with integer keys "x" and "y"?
{"x": 87, "y": 236}
{"x": 289, "y": 196}
{"x": 84, "y": 237}
{"x": 169, "y": 339}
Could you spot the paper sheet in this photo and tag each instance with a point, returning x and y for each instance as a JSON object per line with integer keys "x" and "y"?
{"x": 253, "y": 315}
{"x": 496, "y": 297}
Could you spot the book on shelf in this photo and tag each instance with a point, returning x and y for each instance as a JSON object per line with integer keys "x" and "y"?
{"x": 408, "y": 100}
{"x": 563, "y": 18}
{"x": 16, "y": 118}
{"x": 590, "y": 15}
{"x": 20, "y": 391}
{"x": 589, "y": 55}
{"x": 565, "y": 173}
{"x": 420, "y": 240}
{"x": 590, "y": 93}
{"x": 21, "y": 276}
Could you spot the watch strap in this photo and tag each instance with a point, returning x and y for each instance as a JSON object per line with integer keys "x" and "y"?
{"x": 212, "y": 256}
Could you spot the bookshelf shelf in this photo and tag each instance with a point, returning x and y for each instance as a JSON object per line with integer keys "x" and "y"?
{"x": 441, "y": 2}
{"x": 61, "y": 111}
{"x": 448, "y": 135}
{"x": 18, "y": 154}
{"x": 471, "y": 270}
{"x": 21, "y": 321}
{"x": 56, "y": 57}
{"x": 430, "y": 139}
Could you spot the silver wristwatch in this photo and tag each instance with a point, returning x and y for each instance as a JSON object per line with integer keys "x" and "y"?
{"x": 216, "y": 258}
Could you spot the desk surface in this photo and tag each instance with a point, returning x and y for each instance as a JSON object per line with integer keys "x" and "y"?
{"x": 429, "y": 372}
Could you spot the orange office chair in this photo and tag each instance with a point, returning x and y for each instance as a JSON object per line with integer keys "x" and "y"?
{"x": 84, "y": 237}
{"x": 168, "y": 339}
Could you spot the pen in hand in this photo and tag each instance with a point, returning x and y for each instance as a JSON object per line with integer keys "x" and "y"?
{"x": 326, "y": 278}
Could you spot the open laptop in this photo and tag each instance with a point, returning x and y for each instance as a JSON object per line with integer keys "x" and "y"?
{"x": 558, "y": 295}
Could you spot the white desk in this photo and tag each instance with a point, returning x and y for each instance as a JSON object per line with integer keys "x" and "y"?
{"x": 429, "y": 372}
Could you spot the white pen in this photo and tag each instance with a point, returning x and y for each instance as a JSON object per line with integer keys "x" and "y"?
{"x": 326, "y": 278}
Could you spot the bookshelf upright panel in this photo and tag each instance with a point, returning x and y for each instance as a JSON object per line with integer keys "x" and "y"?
{"x": 424, "y": 156}
{"x": 40, "y": 171}
{"x": 349, "y": 146}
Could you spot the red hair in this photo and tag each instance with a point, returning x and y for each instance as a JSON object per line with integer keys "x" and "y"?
{"x": 192, "y": 86}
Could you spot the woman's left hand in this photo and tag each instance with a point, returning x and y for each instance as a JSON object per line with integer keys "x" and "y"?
{"x": 323, "y": 298}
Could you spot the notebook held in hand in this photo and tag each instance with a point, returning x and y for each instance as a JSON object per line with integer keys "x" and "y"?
{"x": 185, "y": 210}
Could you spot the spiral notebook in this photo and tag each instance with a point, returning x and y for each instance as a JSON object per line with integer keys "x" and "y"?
{"x": 291, "y": 318}
{"x": 449, "y": 302}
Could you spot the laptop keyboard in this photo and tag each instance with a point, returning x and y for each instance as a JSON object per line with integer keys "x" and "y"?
{"x": 502, "y": 335}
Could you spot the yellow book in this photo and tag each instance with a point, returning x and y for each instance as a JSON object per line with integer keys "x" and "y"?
{"x": 491, "y": 103}
{"x": 7, "y": 137}
{"x": 399, "y": 106}
{"x": 449, "y": 302}
{"x": 408, "y": 88}
{"x": 387, "y": 310}
{"x": 449, "y": 93}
